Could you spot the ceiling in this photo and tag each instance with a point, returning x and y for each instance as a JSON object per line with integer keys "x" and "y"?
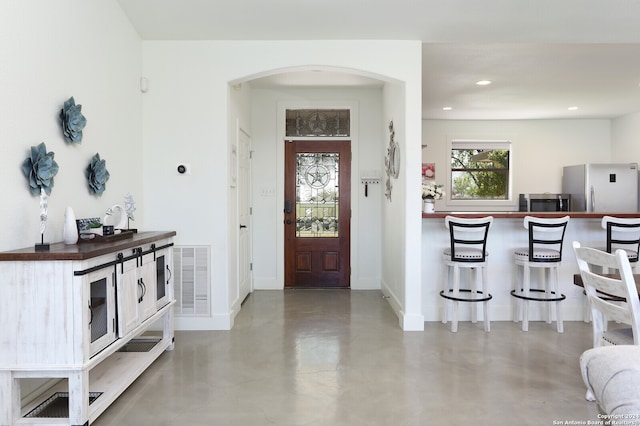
{"x": 542, "y": 56}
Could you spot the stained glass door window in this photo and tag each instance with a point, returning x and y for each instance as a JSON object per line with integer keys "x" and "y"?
{"x": 317, "y": 194}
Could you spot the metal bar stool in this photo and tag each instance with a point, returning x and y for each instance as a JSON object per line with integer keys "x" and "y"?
{"x": 546, "y": 237}
{"x": 467, "y": 249}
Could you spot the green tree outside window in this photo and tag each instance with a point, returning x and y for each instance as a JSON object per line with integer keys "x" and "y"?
{"x": 479, "y": 174}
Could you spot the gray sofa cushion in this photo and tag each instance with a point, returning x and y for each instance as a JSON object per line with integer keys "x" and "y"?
{"x": 612, "y": 374}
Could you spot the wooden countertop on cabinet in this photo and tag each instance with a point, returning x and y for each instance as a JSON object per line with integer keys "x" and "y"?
{"x": 84, "y": 250}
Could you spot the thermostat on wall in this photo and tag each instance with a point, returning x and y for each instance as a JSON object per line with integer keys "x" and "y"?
{"x": 184, "y": 168}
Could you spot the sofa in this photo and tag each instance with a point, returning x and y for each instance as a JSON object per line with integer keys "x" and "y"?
{"x": 612, "y": 376}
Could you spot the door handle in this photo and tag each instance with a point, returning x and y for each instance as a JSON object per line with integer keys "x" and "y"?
{"x": 243, "y": 226}
{"x": 288, "y": 222}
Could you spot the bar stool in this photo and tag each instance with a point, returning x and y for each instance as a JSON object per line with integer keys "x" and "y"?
{"x": 544, "y": 253}
{"x": 621, "y": 233}
{"x": 468, "y": 249}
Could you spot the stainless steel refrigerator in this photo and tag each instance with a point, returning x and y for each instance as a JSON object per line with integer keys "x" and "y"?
{"x": 611, "y": 188}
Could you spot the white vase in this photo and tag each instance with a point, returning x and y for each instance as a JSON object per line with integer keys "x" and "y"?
{"x": 70, "y": 231}
{"x": 429, "y": 206}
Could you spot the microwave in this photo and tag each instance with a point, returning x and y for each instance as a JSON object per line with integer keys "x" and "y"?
{"x": 545, "y": 202}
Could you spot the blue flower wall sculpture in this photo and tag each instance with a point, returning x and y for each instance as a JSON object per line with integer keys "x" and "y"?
{"x": 72, "y": 121}
{"x": 97, "y": 174}
{"x": 40, "y": 168}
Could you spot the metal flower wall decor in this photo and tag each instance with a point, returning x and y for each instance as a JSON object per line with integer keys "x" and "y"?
{"x": 40, "y": 169}
{"x": 97, "y": 174}
{"x": 72, "y": 121}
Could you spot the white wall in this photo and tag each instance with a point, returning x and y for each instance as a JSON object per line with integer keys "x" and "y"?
{"x": 401, "y": 267}
{"x": 268, "y": 106}
{"x": 186, "y": 119}
{"x": 540, "y": 149}
{"x": 51, "y": 51}
{"x": 625, "y": 134}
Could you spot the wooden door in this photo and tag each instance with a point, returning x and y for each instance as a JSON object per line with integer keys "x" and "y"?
{"x": 245, "y": 284}
{"x": 317, "y": 213}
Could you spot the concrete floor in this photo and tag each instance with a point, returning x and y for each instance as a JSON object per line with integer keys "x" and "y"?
{"x": 338, "y": 357}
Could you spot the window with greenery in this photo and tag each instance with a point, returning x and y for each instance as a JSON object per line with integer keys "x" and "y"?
{"x": 480, "y": 170}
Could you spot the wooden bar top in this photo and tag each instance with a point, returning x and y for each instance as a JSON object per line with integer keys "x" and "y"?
{"x": 521, "y": 215}
{"x": 84, "y": 250}
{"x": 577, "y": 280}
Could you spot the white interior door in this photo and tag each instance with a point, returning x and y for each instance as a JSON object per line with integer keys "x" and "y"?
{"x": 244, "y": 215}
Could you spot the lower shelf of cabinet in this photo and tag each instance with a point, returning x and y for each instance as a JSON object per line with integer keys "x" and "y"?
{"x": 109, "y": 379}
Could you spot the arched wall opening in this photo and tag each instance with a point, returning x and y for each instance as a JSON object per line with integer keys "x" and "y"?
{"x": 367, "y": 95}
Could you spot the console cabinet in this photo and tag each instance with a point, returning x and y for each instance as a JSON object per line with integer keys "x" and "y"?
{"x": 88, "y": 318}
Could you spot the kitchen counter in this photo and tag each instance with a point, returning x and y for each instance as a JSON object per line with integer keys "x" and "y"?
{"x": 521, "y": 215}
{"x": 507, "y": 233}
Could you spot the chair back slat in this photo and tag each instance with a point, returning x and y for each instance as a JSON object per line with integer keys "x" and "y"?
{"x": 545, "y": 234}
{"x": 622, "y": 233}
{"x": 600, "y": 289}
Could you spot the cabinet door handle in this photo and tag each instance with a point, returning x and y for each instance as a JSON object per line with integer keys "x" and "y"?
{"x": 144, "y": 289}
{"x": 90, "y": 314}
{"x": 170, "y": 274}
{"x": 140, "y": 285}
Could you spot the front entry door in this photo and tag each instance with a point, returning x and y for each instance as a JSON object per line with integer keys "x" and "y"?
{"x": 317, "y": 213}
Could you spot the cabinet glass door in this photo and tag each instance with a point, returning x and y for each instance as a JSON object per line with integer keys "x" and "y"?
{"x": 161, "y": 290}
{"x": 101, "y": 309}
{"x": 163, "y": 275}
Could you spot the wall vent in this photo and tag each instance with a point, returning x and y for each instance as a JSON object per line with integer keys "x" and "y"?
{"x": 192, "y": 281}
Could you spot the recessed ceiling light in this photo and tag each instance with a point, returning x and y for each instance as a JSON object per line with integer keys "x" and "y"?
{"x": 447, "y": 108}
{"x": 573, "y": 108}
{"x": 483, "y": 82}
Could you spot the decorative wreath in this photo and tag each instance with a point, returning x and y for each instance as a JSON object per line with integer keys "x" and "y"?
{"x": 40, "y": 169}
{"x": 97, "y": 174}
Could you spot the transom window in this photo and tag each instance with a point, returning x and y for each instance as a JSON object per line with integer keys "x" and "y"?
{"x": 317, "y": 122}
{"x": 480, "y": 170}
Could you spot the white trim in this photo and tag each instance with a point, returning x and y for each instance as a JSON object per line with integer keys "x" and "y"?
{"x": 216, "y": 322}
{"x": 474, "y": 143}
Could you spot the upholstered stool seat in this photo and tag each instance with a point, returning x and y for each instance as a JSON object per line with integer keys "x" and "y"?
{"x": 544, "y": 253}
{"x": 466, "y": 254}
{"x": 467, "y": 250}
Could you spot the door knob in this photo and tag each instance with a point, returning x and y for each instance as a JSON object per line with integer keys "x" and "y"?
{"x": 288, "y": 222}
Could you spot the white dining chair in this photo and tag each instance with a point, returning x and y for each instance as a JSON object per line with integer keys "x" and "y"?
{"x": 620, "y": 233}
{"x": 601, "y": 288}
